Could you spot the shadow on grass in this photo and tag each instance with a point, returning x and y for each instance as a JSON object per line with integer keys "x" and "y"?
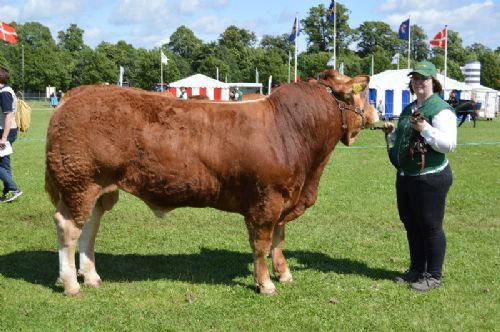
{"x": 209, "y": 266}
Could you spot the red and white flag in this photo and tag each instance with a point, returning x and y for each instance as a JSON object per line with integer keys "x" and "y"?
{"x": 439, "y": 39}
{"x": 8, "y": 33}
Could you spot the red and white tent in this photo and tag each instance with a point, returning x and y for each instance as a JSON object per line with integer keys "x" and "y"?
{"x": 200, "y": 84}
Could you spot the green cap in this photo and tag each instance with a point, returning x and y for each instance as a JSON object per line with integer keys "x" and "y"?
{"x": 424, "y": 68}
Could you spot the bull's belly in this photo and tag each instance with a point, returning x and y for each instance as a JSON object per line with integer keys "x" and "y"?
{"x": 167, "y": 195}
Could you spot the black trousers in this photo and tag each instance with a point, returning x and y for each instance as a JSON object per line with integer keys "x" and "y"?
{"x": 421, "y": 204}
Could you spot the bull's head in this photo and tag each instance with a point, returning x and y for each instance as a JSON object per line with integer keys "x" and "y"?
{"x": 354, "y": 92}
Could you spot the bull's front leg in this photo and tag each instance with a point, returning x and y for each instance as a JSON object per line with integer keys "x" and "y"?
{"x": 280, "y": 267}
{"x": 67, "y": 234}
{"x": 260, "y": 240}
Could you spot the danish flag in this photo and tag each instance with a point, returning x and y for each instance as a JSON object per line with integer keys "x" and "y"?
{"x": 439, "y": 39}
{"x": 8, "y": 33}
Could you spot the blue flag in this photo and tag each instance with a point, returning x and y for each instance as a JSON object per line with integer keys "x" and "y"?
{"x": 331, "y": 12}
{"x": 404, "y": 30}
{"x": 295, "y": 29}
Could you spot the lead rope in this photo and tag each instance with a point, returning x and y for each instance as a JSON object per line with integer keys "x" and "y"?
{"x": 417, "y": 142}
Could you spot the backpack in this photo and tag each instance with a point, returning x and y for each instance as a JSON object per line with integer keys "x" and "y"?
{"x": 23, "y": 116}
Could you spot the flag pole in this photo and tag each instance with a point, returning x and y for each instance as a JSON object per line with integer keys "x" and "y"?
{"x": 296, "y": 35}
{"x": 445, "y": 55}
{"x": 161, "y": 72}
{"x": 289, "y": 59}
{"x": 22, "y": 64}
{"x": 335, "y": 38}
{"x": 409, "y": 39}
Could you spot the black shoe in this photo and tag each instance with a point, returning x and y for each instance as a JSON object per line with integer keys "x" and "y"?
{"x": 10, "y": 196}
{"x": 426, "y": 282}
{"x": 408, "y": 276}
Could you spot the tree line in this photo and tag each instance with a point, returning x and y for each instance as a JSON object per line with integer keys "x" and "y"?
{"x": 237, "y": 54}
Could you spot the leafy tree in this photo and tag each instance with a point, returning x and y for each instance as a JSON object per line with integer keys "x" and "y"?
{"x": 280, "y": 42}
{"x": 375, "y": 36}
{"x": 352, "y": 63}
{"x": 209, "y": 67}
{"x": 476, "y": 51}
{"x": 236, "y": 38}
{"x": 319, "y": 30}
{"x": 94, "y": 67}
{"x": 490, "y": 69}
{"x": 311, "y": 64}
{"x": 34, "y": 35}
{"x": 184, "y": 43}
{"x": 71, "y": 39}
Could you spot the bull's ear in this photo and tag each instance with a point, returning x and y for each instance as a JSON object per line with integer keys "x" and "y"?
{"x": 360, "y": 83}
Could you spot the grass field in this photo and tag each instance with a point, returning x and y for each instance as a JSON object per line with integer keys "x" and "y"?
{"x": 193, "y": 270}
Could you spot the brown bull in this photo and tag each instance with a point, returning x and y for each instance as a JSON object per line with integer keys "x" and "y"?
{"x": 262, "y": 159}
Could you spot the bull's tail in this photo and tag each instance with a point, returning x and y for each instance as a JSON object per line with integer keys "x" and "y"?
{"x": 51, "y": 189}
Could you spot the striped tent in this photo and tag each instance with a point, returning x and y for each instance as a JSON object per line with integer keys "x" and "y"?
{"x": 200, "y": 84}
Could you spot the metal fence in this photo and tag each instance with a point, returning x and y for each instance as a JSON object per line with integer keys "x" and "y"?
{"x": 33, "y": 96}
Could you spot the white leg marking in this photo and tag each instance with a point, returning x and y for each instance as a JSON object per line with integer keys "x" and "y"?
{"x": 87, "y": 245}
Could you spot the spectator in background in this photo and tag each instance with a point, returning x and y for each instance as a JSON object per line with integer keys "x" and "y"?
{"x": 53, "y": 100}
{"x": 184, "y": 94}
{"x": 238, "y": 95}
{"x": 8, "y": 133}
{"x": 380, "y": 109}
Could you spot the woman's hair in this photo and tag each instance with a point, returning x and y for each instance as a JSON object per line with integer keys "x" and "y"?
{"x": 436, "y": 86}
{"x": 4, "y": 75}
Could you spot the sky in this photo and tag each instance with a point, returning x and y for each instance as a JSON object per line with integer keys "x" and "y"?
{"x": 149, "y": 23}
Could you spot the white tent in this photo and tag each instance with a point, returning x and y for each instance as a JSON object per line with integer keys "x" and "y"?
{"x": 391, "y": 86}
{"x": 200, "y": 84}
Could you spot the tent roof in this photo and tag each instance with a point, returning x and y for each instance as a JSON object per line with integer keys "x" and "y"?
{"x": 398, "y": 80}
{"x": 482, "y": 88}
{"x": 199, "y": 81}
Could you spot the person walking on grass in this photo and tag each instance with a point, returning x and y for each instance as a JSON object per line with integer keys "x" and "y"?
{"x": 425, "y": 132}
{"x": 8, "y": 133}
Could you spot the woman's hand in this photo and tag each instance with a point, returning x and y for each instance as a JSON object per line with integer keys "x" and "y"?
{"x": 388, "y": 127}
{"x": 418, "y": 123}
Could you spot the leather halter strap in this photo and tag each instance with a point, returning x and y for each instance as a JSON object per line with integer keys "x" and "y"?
{"x": 344, "y": 106}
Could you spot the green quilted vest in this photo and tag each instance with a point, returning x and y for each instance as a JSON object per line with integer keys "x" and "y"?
{"x": 399, "y": 154}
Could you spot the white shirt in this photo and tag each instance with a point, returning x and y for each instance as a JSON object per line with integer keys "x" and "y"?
{"x": 441, "y": 136}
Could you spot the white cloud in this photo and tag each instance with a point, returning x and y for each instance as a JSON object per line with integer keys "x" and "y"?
{"x": 212, "y": 24}
{"x": 189, "y": 6}
{"x": 43, "y": 9}
{"x": 9, "y": 13}
{"x": 146, "y": 12}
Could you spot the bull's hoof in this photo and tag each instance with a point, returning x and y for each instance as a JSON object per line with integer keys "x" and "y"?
{"x": 92, "y": 280}
{"x": 266, "y": 291}
{"x": 72, "y": 292}
{"x": 93, "y": 283}
{"x": 59, "y": 282}
{"x": 285, "y": 277}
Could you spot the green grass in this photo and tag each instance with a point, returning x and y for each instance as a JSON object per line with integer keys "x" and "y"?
{"x": 193, "y": 270}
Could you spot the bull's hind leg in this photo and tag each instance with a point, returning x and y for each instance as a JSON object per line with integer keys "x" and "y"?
{"x": 87, "y": 239}
{"x": 280, "y": 267}
{"x": 68, "y": 233}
